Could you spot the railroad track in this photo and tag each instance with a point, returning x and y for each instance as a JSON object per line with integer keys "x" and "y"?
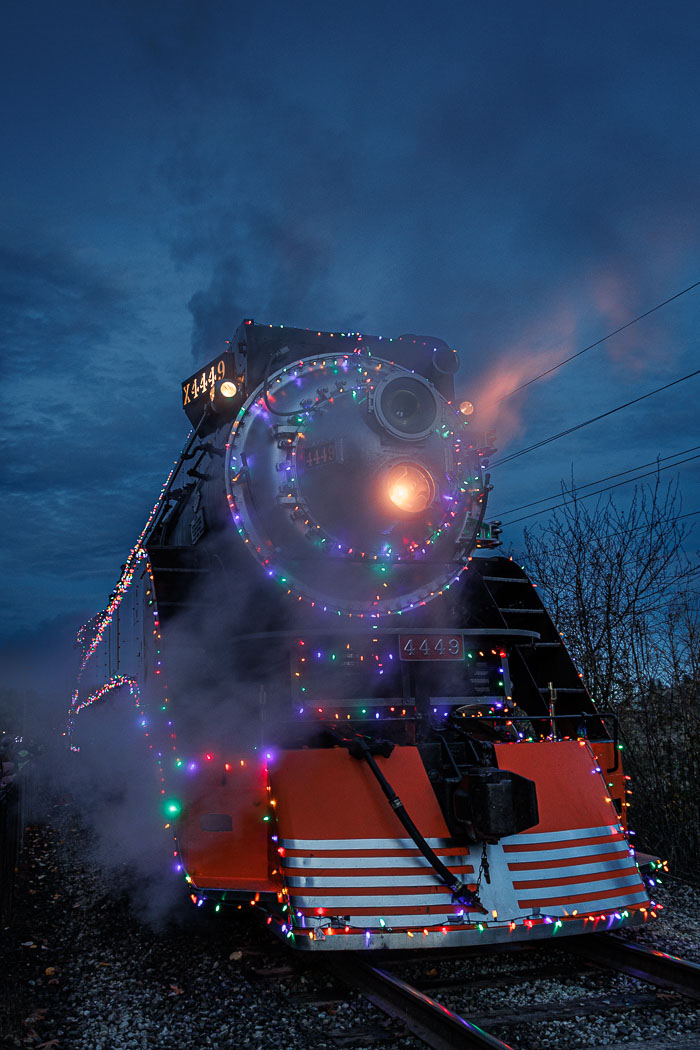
{"x": 647, "y": 964}
{"x": 444, "y": 1029}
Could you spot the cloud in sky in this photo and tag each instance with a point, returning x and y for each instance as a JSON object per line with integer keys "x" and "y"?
{"x": 516, "y": 181}
{"x": 74, "y": 382}
{"x": 486, "y": 172}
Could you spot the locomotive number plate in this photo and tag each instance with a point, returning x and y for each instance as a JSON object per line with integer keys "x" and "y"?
{"x": 316, "y": 454}
{"x": 431, "y": 647}
{"x": 200, "y": 384}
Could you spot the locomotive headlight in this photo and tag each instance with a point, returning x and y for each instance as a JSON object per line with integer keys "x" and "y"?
{"x": 407, "y": 407}
{"x": 466, "y": 408}
{"x": 222, "y": 396}
{"x": 410, "y": 487}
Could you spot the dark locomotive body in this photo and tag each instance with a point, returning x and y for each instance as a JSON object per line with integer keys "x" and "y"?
{"x": 362, "y": 719}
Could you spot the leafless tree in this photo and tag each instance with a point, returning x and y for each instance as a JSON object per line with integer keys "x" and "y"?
{"x": 622, "y": 588}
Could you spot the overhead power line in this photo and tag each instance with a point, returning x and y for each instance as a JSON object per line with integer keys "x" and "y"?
{"x": 639, "y": 528}
{"x": 597, "y": 492}
{"x": 594, "y": 419}
{"x": 592, "y": 346}
{"x": 576, "y": 489}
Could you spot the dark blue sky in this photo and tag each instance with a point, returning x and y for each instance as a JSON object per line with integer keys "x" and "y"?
{"x": 519, "y": 179}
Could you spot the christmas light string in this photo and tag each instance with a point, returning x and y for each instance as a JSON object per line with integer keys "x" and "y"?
{"x": 114, "y": 683}
{"x": 466, "y": 487}
{"x": 136, "y": 553}
{"x": 290, "y": 921}
{"x": 293, "y": 923}
{"x": 471, "y": 485}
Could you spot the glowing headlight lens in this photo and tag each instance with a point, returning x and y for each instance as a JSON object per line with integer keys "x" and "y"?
{"x": 410, "y": 487}
{"x": 466, "y": 408}
{"x": 227, "y": 388}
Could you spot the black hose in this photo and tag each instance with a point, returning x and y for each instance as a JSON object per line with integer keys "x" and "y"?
{"x": 266, "y": 398}
{"x": 360, "y": 748}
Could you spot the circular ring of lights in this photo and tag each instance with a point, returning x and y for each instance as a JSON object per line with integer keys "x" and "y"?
{"x": 273, "y": 445}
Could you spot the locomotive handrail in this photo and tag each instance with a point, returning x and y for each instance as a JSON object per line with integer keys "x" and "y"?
{"x": 583, "y": 716}
{"x": 616, "y": 739}
{"x": 163, "y": 498}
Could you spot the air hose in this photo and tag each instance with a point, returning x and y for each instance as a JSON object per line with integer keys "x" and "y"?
{"x": 360, "y": 748}
{"x": 266, "y": 393}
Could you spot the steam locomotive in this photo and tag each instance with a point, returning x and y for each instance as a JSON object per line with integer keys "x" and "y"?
{"x": 362, "y": 719}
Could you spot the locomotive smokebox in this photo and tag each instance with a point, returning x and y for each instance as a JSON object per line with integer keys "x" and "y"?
{"x": 490, "y": 804}
{"x": 353, "y": 480}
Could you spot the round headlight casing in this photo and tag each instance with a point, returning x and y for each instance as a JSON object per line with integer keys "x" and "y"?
{"x": 410, "y": 487}
{"x": 406, "y": 406}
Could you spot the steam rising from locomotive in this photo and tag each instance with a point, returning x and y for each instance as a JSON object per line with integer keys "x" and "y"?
{"x": 400, "y": 741}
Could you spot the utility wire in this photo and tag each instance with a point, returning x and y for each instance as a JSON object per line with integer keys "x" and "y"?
{"x": 643, "y": 609}
{"x": 637, "y": 528}
{"x": 594, "y": 419}
{"x": 678, "y": 517}
{"x": 575, "y": 489}
{"x": 597, "y": 492}
{"x": 592, "y": 346}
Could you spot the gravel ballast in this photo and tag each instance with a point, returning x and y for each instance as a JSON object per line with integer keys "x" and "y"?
{"x": 80, "y": 970}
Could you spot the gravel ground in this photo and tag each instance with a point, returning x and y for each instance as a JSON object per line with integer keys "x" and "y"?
{"x": 80, "y": 971}
{"x": 546, "y": 979}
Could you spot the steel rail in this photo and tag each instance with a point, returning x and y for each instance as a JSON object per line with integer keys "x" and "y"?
{"x": 647, "y": 964}
{"x": 434, "y": 1024}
